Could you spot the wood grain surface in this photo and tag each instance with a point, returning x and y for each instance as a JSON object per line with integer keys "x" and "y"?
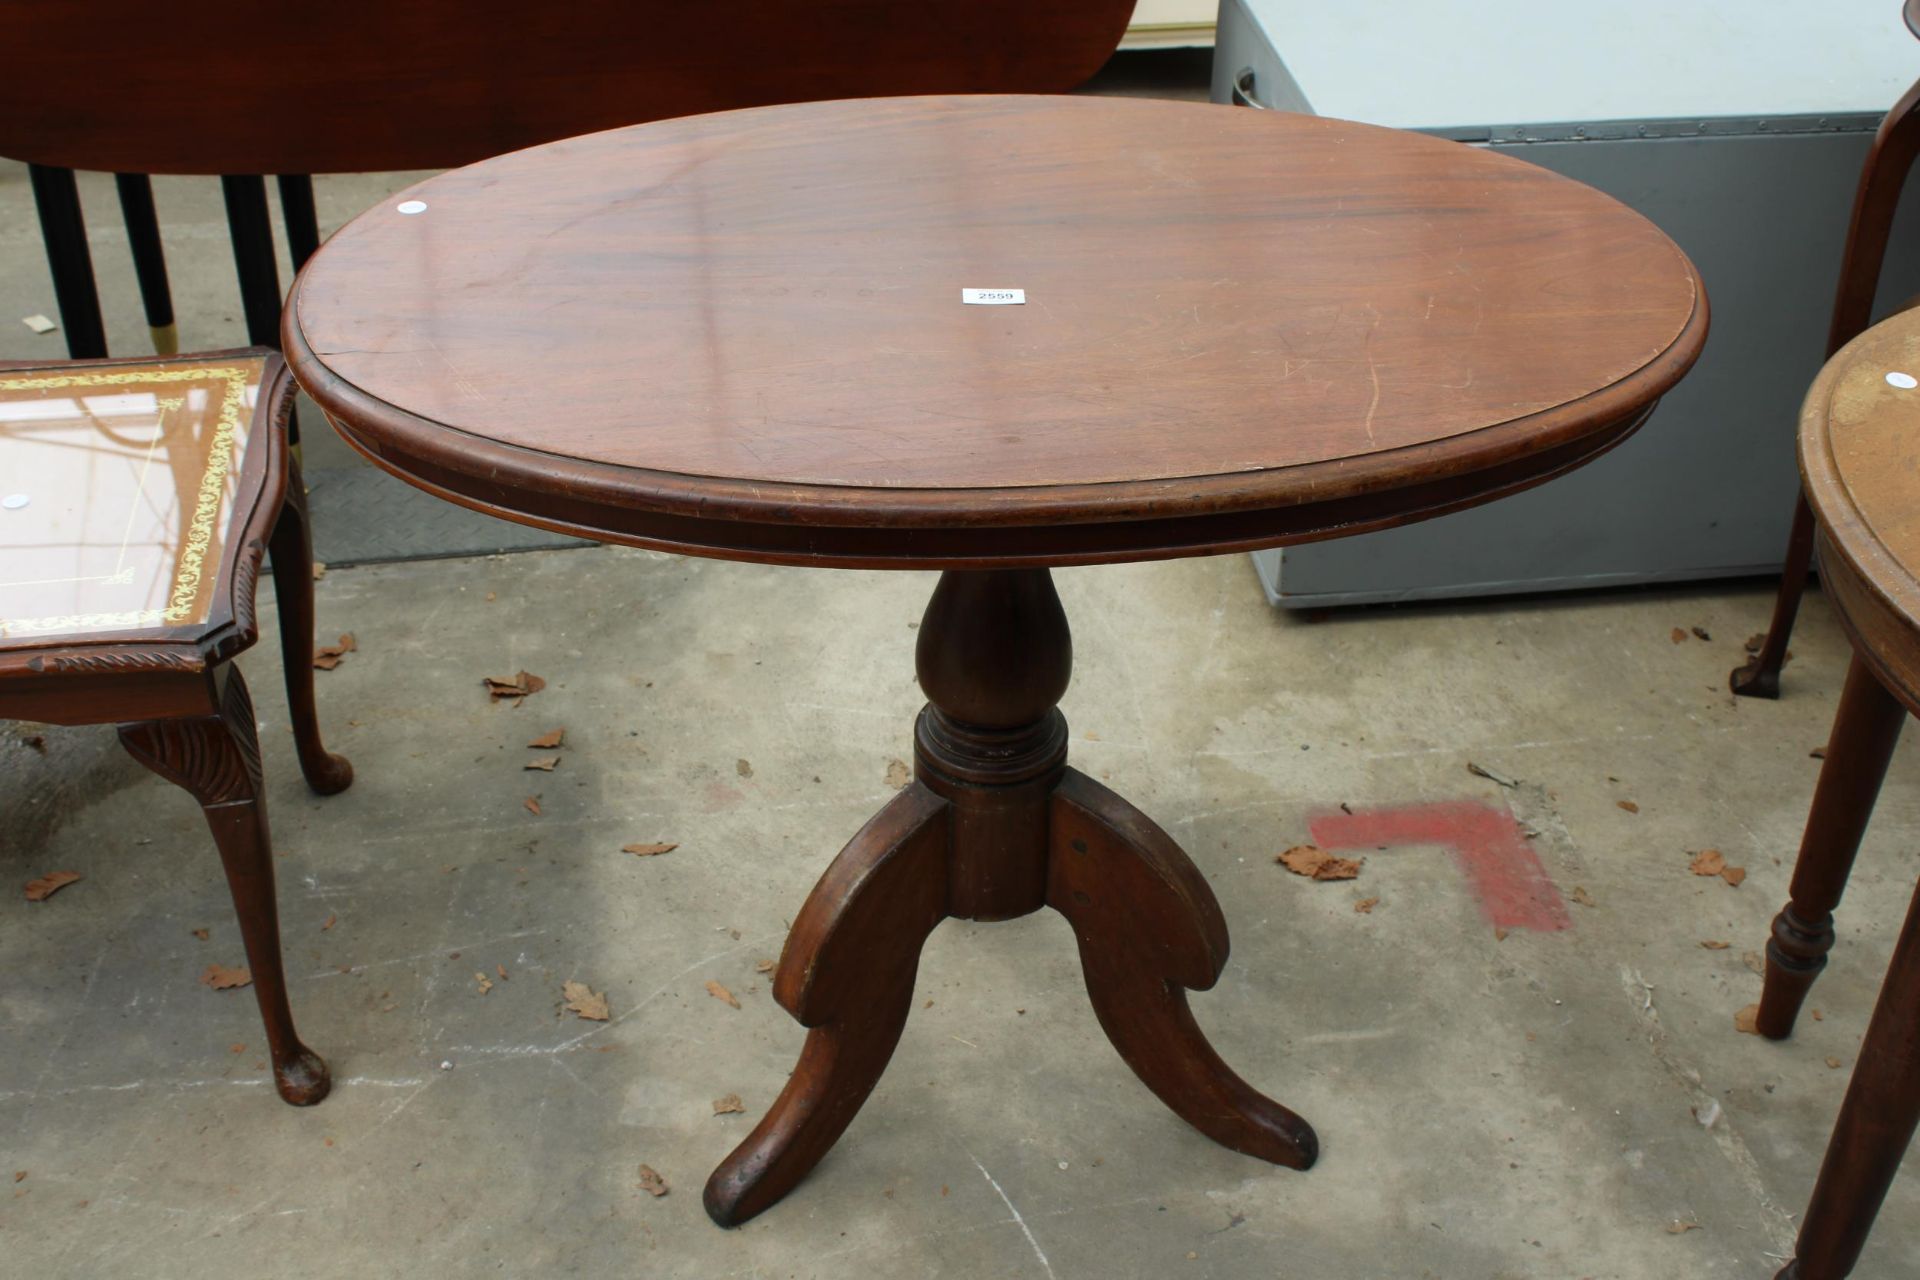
{"x": 755, "y": 319}
{"x": 1860, "y": 472}
{"x": 230, "y": 86}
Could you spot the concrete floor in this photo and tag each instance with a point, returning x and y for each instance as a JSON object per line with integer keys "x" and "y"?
{"x": 1489, "y": 1108}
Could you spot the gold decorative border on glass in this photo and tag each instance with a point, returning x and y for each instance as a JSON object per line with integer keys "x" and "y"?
{"x": 211, "y": 494}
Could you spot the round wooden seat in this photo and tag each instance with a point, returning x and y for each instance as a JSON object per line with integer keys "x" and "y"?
{"x": 1860, "y": 458}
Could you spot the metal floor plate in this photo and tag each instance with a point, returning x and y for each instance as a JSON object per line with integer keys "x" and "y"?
{"x": 362, "y": 515}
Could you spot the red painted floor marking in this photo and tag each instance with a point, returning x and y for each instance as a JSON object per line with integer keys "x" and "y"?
{"x": 1515, "y": 891}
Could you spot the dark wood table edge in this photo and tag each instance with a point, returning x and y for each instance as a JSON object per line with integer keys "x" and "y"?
{"x": 866, "y": 527}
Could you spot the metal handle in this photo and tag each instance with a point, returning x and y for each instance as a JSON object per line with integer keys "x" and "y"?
{"x": 1243, "y": 91}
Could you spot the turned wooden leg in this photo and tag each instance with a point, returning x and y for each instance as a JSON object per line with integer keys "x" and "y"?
{"x": 1865, "y": 730}
{"x": 1876, "y": 1124}
{"x": 291, "y": 545}
{"x": 847, "y": 973}
{"x": 217, "y": 759}
{"x": 1760, "y": 676}
{"x": 1149, "y": 931}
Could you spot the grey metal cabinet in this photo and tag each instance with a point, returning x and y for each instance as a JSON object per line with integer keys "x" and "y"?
{"x": 1738, "y": 129}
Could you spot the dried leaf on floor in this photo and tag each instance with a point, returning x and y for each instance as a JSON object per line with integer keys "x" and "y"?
{"x": 222, "y": 978}
{"x": 1700, "y": 633}
{"x": 1754, "y": 961}
{"x": 648, "y": 850}
{"x": 585, "y": 1001}
{"x": 1318, "y": 864}
{"x": 1679, "y": 636}
{"x": 550, "y": 740}
{"x": 1708, "y": 862}
{"x": 729, "y": 1105}
{"x": 1581, "y": 896}
{"x": 43, "y": 887}
{"x": 319, "y": 570}
{"x": 331, "y": 921}
{"x": 1817, "y": 1015}
{"x": 532, "y": 805}
{"x": 19, "y": 1175}
{"x": 1681, "y": 1228}
{"x": 1628, "y": 805}
{"x": 546, "y": 764}
{"x": 520, "y": 684}
{"x": 719, "y": 992}
{"x": 1834, "y": 1063}
{"x": 1491, "y": 775}
{"x": 1747, "y": 1021}
{"x": 202, "y": 934}
{"x": 652, "y": 1183}
{"x": 764, "y": 966}
{"x": 1756, "y": 642}
{"x": 743, "y": 767}
{"x": 1734, "y": 875}
{"x": 1712, "y": 944}
{"x": 1818, "y": 753}
{"x": 1499, "y": 934}
{"x": 898, "y": 775}
{"x": 327, "y": 657}
{"x": 1366, "y": 905}
{"x": 501, "y": 970}
{"x": 482, "y": 981}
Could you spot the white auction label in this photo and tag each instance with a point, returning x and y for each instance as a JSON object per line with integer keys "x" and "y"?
{"x": 994, "y": 297}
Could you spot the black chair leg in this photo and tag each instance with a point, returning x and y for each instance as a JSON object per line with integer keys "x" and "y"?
{"x": 57, "y": 197}
{"x": 149, "y": 259}
{"x": 301, "y": 219}
{"x": 251, "y": 226}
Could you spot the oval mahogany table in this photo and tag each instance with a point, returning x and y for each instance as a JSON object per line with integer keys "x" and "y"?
{"x": 743, "y": 335}
{"x": 1858, "y": 474}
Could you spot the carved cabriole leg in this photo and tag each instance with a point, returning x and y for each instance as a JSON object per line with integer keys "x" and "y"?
{"x": 1150, "y": 930}
{"x": 847, "y": 973}
{"x": 1865, "y": 729}
{"x": 1876, "y": 1124}
{"x": 217, "y": 760}
{"x": 974, "y": 837}
{"x": 292, "y": 547}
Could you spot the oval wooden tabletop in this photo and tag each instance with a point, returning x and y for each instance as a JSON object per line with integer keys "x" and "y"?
{"x": 744, "y": 334}
{"x": 1860, "y": 463}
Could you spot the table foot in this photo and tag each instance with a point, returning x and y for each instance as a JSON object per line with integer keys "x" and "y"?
{"x": 1150, "y": 930}
{"x": 847, "y": 973}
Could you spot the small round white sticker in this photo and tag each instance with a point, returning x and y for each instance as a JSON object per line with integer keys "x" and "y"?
{"x": 15, "y": 501}
{"x": 413, "y": 206}
{"x": 1904, "y": 381}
